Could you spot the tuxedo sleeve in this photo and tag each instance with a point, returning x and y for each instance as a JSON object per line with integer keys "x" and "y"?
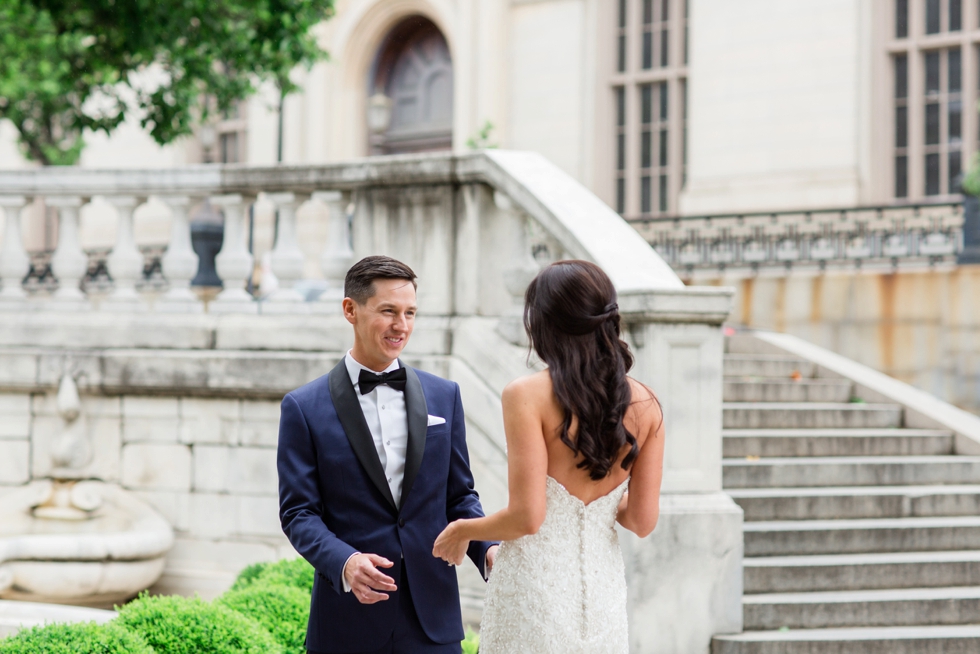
{"x": 462, "y": 500}
{"x": 300, "y": 503}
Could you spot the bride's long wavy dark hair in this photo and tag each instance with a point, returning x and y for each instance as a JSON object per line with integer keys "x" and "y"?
{"x": 572, "y": 320}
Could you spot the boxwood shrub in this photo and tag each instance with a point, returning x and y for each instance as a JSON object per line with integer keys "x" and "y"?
{"x": 182, "y": 625}
{"x": 282, "y": 610}
{"x": 77, "y": 638}
{"x": 286, "y": 572}
{"x": 265, "y": 612}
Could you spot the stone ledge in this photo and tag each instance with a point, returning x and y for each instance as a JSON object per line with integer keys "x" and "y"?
{"x": 95, "y": 330}
{"x": 15, "y": 616}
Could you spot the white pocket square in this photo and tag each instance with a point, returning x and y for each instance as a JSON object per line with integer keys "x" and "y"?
{"x": 436, "y": 420}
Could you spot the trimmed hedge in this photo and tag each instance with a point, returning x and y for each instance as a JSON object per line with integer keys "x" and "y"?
{"x": 471, "y": 643}
{"x": 77, "y": 638}
{"x": 181, "y": 625}
{"x": 282, "y": 610}
{"x": 265, "y": 612}
{"x": 286, "y": 572}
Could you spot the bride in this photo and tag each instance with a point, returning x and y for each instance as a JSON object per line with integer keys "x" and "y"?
{"x": 585, "y": 450}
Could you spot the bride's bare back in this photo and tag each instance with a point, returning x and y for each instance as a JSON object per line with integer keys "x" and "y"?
{"x": 533, "y": 420}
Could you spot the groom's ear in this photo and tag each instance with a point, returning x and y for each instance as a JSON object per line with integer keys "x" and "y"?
{"x": 350, "y": 310}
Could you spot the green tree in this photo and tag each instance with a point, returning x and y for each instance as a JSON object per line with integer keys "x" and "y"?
{"x": 71, "y": 65}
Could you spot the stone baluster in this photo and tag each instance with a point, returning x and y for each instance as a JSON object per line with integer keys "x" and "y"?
{"x": 337, "y": 254}
{"x": 287, "y": 258}
{"x": 519, "y": 274}
{"x": 14, "y": 262}
{"x": 68, "y": 263}
{"x": 126, "y": 261}
{"x": 234, "y": 263}
{"x": 179, "y": 262}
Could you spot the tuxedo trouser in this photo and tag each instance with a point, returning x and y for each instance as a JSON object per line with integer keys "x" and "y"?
{"x": 408, "y": 636}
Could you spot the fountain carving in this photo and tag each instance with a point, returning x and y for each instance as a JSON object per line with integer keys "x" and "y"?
{"x": 72, "y": 540}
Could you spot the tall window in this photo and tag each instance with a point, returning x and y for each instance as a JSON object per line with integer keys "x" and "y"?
{"x": 648, "y": 90}
{"x": 928, "y": 44}
{"x": 231, "y": 132}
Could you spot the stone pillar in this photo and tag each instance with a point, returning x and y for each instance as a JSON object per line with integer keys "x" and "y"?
{"x": 234, "y": 263}
{"x": 287, "y": 258}
{"x": 338, "y": 256}
{"x": 179, "y": 261}
{"x": 69, "y": 263}
{"x": 14, "y": 262}
{"x": 685, "y": 580}
{"x": 126, "y": 261}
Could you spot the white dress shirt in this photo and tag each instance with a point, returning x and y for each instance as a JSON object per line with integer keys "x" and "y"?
{"x": 387, "y": 419}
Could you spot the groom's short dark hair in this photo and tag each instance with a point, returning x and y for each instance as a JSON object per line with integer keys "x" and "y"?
{"x": 359, "y": 283}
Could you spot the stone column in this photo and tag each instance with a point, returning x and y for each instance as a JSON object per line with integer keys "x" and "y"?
{"x": 287, "y": 258}
{"x": 69, "y": 263}
{"x": 126, "y": 261}
{"x": 14, "y": 262}
{"x": 234, "y": 263}
{"x": 337, "y": 254}
{"x": 179, "y": 261}
{"x": 685, "y": 579}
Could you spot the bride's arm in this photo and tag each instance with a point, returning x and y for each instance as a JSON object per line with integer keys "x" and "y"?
{"x": 527, "y": 470}
{"x": 640, "y": 508}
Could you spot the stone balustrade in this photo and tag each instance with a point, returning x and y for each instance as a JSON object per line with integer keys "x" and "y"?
{"x": 885, "y": 237}
{"x": 182, "y": 394}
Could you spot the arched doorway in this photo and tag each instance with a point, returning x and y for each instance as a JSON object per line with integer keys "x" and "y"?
{"x": 410, "y": 103}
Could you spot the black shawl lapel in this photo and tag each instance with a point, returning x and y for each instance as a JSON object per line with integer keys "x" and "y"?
{"x": 418, "y": 423}
{"x": 355, "y": 427}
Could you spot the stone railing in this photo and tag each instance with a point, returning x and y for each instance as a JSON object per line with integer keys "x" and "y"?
{"x": 884, "y": 237}
{"x": 190, "y": 388}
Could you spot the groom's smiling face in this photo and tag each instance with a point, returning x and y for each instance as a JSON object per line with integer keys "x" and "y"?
{"x": 384, "y": 323}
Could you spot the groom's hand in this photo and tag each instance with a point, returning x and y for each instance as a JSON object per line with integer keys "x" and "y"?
{"x": 491, "y": 557}
{"x": 366, "y": 580}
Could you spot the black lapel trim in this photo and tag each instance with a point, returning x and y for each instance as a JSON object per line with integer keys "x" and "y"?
{"x": 355, "y": 427}
{"x": 418, "y": 423}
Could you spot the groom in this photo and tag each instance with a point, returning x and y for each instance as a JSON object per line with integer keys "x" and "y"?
{"x": 372, "y": 466}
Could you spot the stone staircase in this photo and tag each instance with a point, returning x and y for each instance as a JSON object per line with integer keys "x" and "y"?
{"x": 860, "y": 535}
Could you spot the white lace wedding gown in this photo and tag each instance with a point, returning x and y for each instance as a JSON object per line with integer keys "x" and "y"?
{"x": 563, "y": 589}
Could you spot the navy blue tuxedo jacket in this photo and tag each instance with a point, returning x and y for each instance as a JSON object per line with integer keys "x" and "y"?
{"x": 334, "y": 500}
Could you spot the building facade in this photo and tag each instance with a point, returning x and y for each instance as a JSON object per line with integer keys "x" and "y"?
{"x": 661, "y": 107}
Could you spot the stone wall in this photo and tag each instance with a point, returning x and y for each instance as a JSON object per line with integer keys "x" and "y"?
{"x": 922, "y": 327}
{"x": 208, "y": 465}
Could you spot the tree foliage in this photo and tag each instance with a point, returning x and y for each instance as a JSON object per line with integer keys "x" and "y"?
{"x": 72, "y": 65}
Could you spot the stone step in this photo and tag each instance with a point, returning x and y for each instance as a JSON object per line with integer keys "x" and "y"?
{"x": 793, "y": 574}
{"x": 863, "y": 608}
{"x": 809, "y": 415}
{"x": 766, "y": 365}
{"x": 797, "y": 537}
{"x": 856, "y": 502}
{"x": 849, "y": 471}
{"x": 958, "y": 639}
{"x": 835, "y": 442}
{"x": 739, "y": 389}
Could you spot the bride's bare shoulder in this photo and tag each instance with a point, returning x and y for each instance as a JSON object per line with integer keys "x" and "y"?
{"x": 535, "y": 385}
{"x": 644, "y": 401}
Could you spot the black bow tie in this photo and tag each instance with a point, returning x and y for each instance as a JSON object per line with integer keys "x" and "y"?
{"x": 367, "y": 381}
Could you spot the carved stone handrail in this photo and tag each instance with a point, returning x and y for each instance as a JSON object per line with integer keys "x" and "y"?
{"x": 887, "y": 236}
{"x": 579, "y": 224}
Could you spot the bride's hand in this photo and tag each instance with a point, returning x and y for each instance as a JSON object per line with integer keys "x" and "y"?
{"x": 451, "y": 545}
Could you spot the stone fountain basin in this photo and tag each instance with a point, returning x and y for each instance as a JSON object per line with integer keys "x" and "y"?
{"x": 109, "y": 557}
